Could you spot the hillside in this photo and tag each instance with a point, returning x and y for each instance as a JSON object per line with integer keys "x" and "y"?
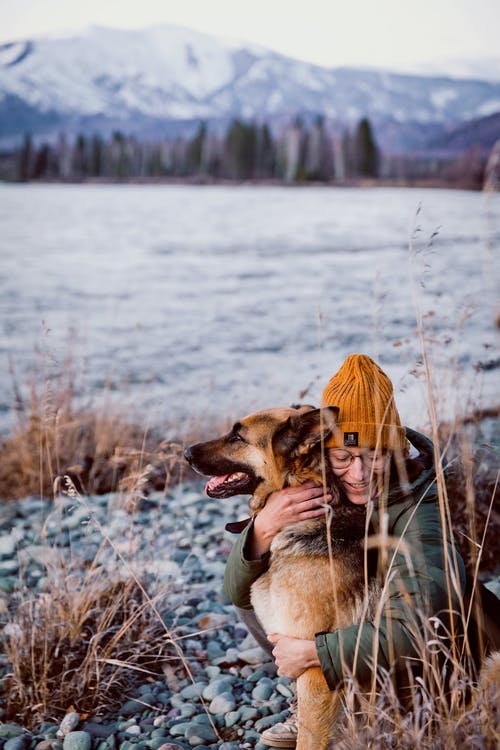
{"x": 163, "y": 80}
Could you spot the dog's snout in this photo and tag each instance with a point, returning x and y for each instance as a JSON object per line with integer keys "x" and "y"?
{"x": 188, "y": 454}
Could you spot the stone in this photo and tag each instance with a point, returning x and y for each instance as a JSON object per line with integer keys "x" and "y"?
{"x": 131, "y": 707}
{"x": 232, "y": 718}
{"x": 284, "y": 690}
{"x": 97, "y": 730}
{"x": 7, "y": 546}
{"x": 77, "y": 741}
{"x": 8, "y": 567}
{"x": 269, "y": 721}
{"x": 217, "y": 687}
{"x": 222, "y": 704}
{"x": 200, "y": 733}
{"x": 45, "y": 745}
{"x": 255, "y": 655}
{"x": 16, "y": 743}
{"x": 134, "y": 729}
{"x": 69, "y": 722}
{"x": 262, "y": 691}
{"x": 10, "y": 729}
{"x": 193, "y": 691}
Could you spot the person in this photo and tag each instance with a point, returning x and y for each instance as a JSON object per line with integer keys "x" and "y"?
{"x": 390, "y": 470}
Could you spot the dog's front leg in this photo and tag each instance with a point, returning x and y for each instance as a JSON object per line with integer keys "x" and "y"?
{"x": 318, "y": 709}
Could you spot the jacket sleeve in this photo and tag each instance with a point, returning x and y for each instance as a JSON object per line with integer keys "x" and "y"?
{"x": 241, "y": 572}
{"x": 416, "y": 584}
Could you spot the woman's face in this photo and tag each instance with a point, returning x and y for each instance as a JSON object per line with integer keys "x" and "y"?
{"x": 358, "y": 471}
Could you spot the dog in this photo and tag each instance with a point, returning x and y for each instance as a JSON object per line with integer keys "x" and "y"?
{"x": 316, "y": 578}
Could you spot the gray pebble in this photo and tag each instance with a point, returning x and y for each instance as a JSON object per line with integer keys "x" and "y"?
{"x": 7, "y": 546}
{"x": 10, "y": 729}
{"x": 179, "y": 730}
{"x": 284, "y": 690}
{"x": 134, "y": 729}
{"x": 217, "y": 687}
{"x": 212, "y": 672}
{"x": 262, "y": 691}
{"x": 45, "y": 745}
{"x": 70, "y": 722}
{"x": 131, "y": 707}
{"x": 255, "y": 655}
{"x": 222, "y": 704}
{"x": 248, "y": 712}
{"x": 200, "y": 733}
{"x": 77, "y": 741}
{"x": 193, "y": 691}
{"x": 16, "y": 743}
{"x": 97, "y": 730}
{"x": 232, "y": 718}
{"x": 188, "y": 710}
{"x": 270, "y": 721}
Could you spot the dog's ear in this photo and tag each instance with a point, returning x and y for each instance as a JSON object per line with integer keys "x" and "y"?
{"x": 302, "y": 433}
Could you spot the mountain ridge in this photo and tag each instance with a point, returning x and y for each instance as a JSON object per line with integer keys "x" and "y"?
{"x": 165, "y": 79}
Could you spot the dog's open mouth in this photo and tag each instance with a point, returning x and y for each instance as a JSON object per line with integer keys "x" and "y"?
{"x": 227, "y": 485}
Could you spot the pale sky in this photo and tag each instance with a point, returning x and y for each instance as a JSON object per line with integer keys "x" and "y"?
{"x": 387, "y": 33}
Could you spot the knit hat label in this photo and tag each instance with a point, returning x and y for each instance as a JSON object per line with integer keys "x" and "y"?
{"x": 351, "y": 439}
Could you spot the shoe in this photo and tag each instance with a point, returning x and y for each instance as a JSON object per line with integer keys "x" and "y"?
{"x": 283, "y": 734}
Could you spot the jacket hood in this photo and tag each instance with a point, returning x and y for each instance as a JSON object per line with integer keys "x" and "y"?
{"x": 418, "y": 477}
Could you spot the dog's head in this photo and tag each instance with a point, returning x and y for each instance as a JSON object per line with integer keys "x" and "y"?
{"x": 264, "y": 452}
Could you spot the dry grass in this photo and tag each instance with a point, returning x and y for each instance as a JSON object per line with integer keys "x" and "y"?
{"x": 101, "y": 450}
{"x": 79, "y": 643}
{"x": 466, "y": 717}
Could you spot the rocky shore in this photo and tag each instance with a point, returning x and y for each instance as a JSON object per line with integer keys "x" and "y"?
{"x": 221, "y": 694}
{"x": 214, "y": 687}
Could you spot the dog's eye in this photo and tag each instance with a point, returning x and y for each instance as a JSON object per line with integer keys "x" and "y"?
{"x": 235, "y": 437}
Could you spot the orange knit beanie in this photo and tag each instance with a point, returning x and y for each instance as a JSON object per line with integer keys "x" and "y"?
{"x": 368, "y": 416}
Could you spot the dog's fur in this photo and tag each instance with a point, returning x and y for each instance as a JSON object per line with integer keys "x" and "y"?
{"x": 315, "y": 581}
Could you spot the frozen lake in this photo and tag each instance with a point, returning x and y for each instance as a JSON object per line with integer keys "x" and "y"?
{"x": 178, "y": 301}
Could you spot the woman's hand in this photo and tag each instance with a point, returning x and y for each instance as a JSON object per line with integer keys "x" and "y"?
{"x": 284, "y": 508}
{"x": 293, "y": 655}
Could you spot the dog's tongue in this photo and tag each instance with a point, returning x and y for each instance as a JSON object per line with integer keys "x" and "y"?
{"x": 215, "y": 482}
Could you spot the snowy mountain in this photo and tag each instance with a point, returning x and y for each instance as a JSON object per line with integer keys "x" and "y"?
{"x": 165, "y": 79}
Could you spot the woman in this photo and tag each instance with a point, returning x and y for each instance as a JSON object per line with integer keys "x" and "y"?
{"x": 390, "y": 471}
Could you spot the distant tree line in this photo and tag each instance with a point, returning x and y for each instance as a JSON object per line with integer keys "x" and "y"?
{"x": 246, "y": 151}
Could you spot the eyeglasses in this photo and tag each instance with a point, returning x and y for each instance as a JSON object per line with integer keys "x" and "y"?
{"x": 340, "y": 459}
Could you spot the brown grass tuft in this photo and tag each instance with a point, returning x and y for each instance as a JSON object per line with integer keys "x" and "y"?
{"x": 100, "y": 451}
{"x": 81, "y": 643}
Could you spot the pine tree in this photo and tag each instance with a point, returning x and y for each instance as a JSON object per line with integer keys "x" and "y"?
{"x": 366, "y": 150}
{"x": 96, "y": 156}
{"x": 241, "y": 150}
{"x": 25, "y": 158}
{"x": 195, "y": 150}
{"x": 41, "y": 166}
{"x": 79, "y": 157}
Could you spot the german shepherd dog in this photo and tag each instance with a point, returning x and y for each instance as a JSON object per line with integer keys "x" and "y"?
{"x": 316, "y": 580}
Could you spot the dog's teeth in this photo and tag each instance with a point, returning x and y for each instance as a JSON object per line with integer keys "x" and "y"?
{"x": 236, "y": 476}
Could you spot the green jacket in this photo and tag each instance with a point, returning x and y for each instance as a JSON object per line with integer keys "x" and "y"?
{"x": 417, "y": 582}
